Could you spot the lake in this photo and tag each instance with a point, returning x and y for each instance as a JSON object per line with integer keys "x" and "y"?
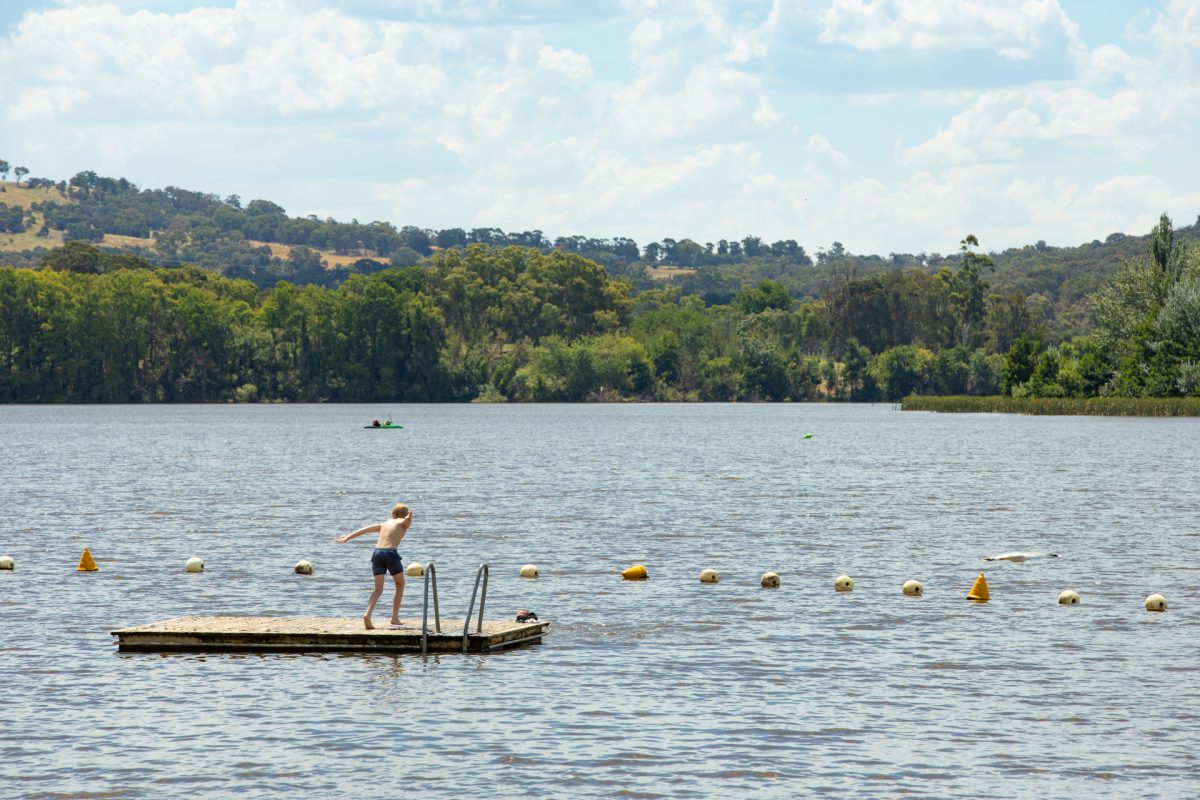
{"x": 665, "y": 688}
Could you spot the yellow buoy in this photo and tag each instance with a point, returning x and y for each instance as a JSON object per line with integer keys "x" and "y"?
{"x": 843, "y": 583}
{"x": 415, "y": 570}
{"x": 1068, "y": 598}
{"x": 194, "y": 564}
{"x": 979, "y": 590}
{"x": 710, "y": 576}
{"x": 6, "y": 562}
{"x": 635, "y": 573}
{"x": 86, "y": 562}
{"x": 913, "y": 588}
{"x": 769, "y": 580}
{"x": 529, "y": 571}
{"x": 1156, "y": 602}
{"x": 304, "y": 567}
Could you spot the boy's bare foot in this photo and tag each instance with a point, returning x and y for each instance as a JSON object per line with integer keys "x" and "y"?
{"x": 396, "y": 622}
{"x": 367, "y": 622}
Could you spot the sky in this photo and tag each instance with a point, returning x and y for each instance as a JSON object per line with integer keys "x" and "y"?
{"x": 886, "y": 125}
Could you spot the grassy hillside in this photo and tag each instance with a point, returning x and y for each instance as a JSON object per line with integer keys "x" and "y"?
{"x": 13, "y": 194}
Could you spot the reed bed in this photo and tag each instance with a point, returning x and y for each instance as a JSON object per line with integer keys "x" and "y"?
{"x": 1062, "y": 406}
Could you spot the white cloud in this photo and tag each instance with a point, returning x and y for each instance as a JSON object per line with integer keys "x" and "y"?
{"x": 45, "y": 103}
{"x": 819, "y": 146}
{"x": 1118, "y": 105}
{"x": 1012, "y": 29}
{"x": 574, "y": 66}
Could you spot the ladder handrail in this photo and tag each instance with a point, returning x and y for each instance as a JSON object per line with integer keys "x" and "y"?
{"x": 481, "y": 573}
{"x": 430, "y": 577}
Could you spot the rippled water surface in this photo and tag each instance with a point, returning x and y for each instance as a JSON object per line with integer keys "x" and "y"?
{"x": 667, "y": 688}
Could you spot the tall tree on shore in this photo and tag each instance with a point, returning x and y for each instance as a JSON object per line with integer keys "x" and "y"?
{"x": 1148, "y": 318}
{"x": 968, "y": 291}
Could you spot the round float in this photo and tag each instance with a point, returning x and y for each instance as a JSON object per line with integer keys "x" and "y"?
{"x": 635, "y": 573}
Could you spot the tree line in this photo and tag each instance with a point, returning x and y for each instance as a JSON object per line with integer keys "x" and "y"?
{"x": 492, "y": 323}
{"x": 227, "y": 235}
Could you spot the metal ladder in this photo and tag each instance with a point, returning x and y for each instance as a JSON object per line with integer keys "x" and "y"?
{"x": 430, "y": 578}
{"x": 481, "y": 573}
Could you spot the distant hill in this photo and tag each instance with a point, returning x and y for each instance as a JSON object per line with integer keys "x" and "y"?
{"x": 260, "y": 242}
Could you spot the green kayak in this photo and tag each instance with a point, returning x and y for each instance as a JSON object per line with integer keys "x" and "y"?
{"x": 382, "y": 427}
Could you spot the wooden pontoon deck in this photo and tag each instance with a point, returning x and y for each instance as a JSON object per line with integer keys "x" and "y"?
{"x": 318, "y": 634}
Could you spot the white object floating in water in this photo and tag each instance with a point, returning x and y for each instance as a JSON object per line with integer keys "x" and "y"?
{"x": 6, "y": 562}
{"x": 1068, "y": 598}
{"x": 843, "y": 583}
{"x": 913, "y": 588}
{"x": 415, "y": 570}
{"x": 769, "y": 580}
{"x": 304, "y": 567}
{"x": 529, "y": 571}
{"x": 194, "y": 564}
{"x": 1019, "y": 557}
{"x": 710, "y": 576}
{"x": 1156, "y": 602}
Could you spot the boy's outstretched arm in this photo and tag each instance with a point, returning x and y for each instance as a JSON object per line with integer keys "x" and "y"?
{"x": 348, "y": 536}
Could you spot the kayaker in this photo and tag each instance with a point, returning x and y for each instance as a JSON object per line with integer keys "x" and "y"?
{"x": 386, "y": 558}
{"x": 374, "y": 423}
{"x": 388, "y": 421}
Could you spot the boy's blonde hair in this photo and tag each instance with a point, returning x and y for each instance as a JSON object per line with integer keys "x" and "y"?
{"x": 399, "y": 511}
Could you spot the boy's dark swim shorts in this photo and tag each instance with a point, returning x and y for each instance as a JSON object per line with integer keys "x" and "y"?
{"x": 386, "y": 559}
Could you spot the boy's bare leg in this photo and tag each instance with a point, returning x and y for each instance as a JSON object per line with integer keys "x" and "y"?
{"x": 371, "y": 603}
{"x": 399, "y": 579}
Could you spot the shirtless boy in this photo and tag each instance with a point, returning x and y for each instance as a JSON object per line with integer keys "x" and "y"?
{"x": 386, "y": 558}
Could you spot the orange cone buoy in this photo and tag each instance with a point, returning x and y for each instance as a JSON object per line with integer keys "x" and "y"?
{"x": 87, "y": 563}
{"x": 979, "y": 590}
{"x": 635, "y": 573}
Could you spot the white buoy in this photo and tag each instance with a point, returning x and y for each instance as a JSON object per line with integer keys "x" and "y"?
{"x": 1068, "y": 598}
{"x": 769, "y": 580}
{"x": 6, "y": 562}
{"x": 1156, "y": 602}
{"x": 913, "y": 588}
{"x": 415, "y": 570}
{"x": 710, "y": 576}
{"x": 529, "y": 571}
{"x": 194, "y": 564}
{"x": 304, "y": 567}
{"x": 843, "y": 583}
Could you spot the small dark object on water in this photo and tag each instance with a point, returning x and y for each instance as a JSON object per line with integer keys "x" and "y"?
{"x": 525, "y": 615}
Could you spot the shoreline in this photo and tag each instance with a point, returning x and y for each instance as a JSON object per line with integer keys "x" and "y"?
{"x": 1057, "y": 406}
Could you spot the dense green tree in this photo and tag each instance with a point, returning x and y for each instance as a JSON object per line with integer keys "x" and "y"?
{"x": 764, "y": 370}
{"x": 856, "y": 379}
{"x": 766, "y": 295}
{"x": 900, "y": 371}
{"x": 1019, "y": 363}
{"x": 1146, "y": 318}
